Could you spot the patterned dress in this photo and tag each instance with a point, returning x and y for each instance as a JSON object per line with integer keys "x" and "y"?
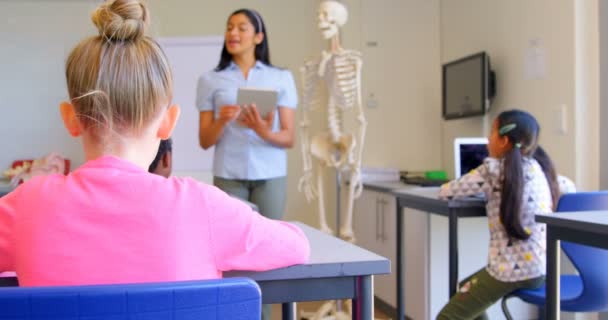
{"x": 509, "y": 259}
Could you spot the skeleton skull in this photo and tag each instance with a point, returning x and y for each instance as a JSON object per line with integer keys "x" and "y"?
{"x": 332, "y": 16}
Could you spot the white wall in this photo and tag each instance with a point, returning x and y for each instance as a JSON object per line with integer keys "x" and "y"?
{"x": 603, "y": 22}
{"x": 36, "y": 37}
{"x": 587, "y": 94}
{"x": 504, "y": 29}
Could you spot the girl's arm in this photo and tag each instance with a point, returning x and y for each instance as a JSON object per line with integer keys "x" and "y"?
{"x": 242, "y": 239}
{"x": 565, "y": 185}
{"x": 7, "y": 240}
{"x": 475, "y": 182}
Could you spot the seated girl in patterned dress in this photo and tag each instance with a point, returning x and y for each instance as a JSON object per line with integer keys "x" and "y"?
{"x": 519, "y": 181}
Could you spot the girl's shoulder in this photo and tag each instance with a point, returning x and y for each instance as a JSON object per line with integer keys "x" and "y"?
{"x": 531, "y": 164}
{"x": 192, "y": 185}
{"x": 492, "y": 166}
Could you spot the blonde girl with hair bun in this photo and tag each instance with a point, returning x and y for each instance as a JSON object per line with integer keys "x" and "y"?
{"x": 110, "y": 221}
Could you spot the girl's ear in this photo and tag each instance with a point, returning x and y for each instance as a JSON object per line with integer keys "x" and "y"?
{"x": 70, "y": 119}
{"x": 168, "y": 122}
{"x": 504, "y": 144}
{"x": 259, "y": 37}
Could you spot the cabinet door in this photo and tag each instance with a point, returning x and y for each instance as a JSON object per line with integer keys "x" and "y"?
{"x": 365, "y": 215}
{"x": 385, "y": 285}
{"x": 416, "y": 247}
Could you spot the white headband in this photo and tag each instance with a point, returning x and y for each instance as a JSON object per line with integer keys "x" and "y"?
{"x": 258, "y": 20}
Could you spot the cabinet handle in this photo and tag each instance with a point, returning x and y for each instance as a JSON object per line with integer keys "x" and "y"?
{"x": 377, "y": 217}
{"x": 383, "y": 219}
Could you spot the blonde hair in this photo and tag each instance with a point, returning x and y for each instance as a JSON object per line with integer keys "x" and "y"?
{"x": 119, "y": 80}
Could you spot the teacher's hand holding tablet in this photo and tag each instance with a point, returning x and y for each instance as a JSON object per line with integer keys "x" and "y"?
{"x": 250, "y": 117}
{"x": 229, "y": 113}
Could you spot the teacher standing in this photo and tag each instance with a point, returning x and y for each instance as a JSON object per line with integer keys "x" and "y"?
{"x": 250, "y": 160}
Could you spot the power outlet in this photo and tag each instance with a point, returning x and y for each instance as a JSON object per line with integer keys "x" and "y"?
{"x": 372, "y": 101}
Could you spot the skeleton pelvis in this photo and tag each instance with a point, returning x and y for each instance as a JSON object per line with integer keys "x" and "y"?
{"x": 333, "y": 154}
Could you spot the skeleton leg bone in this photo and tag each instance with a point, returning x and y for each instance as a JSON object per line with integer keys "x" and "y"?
{"x": 321, "y": 198}
{"x": 346, "y": 229}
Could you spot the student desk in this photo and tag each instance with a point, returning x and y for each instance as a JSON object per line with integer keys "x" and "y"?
{"x": 425, "y": 199}
{"x": 336, "y": 270}
{"x": 587, "y": 228}
{"x": 5, "y": 187}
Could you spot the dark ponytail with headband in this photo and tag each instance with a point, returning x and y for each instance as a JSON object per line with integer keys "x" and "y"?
{"x": 522, "y": 131}
{"x": 262, "y": 50}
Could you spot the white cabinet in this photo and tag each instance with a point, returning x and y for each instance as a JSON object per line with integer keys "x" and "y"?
{"x": 416, "y": 253}
{"x": 385, "y": 285}
{"x": 369, "y": 223}
{"x": 374, "y": 224}
{"x": 365, "y": 215}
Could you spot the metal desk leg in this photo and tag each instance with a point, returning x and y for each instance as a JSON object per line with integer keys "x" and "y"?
{"x": 553, "y": 274}
{"x": 400, "y": 264}
{"x": 363, "y": 304}
{"x": 288, "y": 311}
{"x": 453, "y": 251}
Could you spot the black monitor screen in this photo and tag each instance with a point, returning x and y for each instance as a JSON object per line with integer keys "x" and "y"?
{"x": 464, "y": 87}
{"x": 471, "y": 156}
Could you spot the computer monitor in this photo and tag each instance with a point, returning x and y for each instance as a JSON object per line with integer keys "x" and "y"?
{"x": 469, "y": 85}
{"x": 469, "y": 154}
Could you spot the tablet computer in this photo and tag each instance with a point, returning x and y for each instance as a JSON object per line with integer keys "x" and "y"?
{"x": 264, "y": 99}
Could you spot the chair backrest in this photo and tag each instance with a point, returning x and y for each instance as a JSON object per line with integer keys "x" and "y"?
{"x": 235, "y": 298}
{"x": 590, "y": 262}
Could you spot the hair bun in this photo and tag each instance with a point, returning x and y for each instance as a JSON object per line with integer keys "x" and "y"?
{"x": 121, "y": 19}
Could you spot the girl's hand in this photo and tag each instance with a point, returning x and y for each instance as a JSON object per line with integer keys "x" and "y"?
{"x": 251, "y": 118}
{"x": 228, "y": 113}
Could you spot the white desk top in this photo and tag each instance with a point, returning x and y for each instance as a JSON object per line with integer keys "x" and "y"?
{"x": 329, "y": 257}
{"x": 592, "y": 221}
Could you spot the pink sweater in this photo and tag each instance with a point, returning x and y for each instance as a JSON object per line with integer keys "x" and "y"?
{"x": 112, "y": 222}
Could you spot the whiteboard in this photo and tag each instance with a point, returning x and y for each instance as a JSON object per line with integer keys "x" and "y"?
{"x": 189, "y": 58}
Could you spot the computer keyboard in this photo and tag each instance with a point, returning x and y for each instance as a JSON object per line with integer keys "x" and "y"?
{"x": 423, "y": 182}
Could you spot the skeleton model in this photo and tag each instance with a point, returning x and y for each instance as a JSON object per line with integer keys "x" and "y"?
{"x": 340, "y": 70}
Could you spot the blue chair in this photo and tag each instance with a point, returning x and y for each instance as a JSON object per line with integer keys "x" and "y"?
{"x": 587, "y": 291}
{"x": 235, "y": 298}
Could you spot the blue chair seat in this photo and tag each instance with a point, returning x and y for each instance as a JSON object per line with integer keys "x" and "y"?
{"x": 571, "y": 287}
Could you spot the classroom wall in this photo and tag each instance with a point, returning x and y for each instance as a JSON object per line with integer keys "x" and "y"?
{"x": 507, "y": 30}
{"x": 400, "y": 45}
{"x": 603, "y": 22}
{"x": 36, "y": 37}
{"x": 587, "y": 93}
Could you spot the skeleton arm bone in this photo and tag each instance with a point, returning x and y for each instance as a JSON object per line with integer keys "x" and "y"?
{"x": 306, "y": 184}
{"x": 356, "y": 172}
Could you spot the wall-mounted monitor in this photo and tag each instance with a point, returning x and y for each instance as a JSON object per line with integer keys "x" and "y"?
{"x": 469, "y": 85}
